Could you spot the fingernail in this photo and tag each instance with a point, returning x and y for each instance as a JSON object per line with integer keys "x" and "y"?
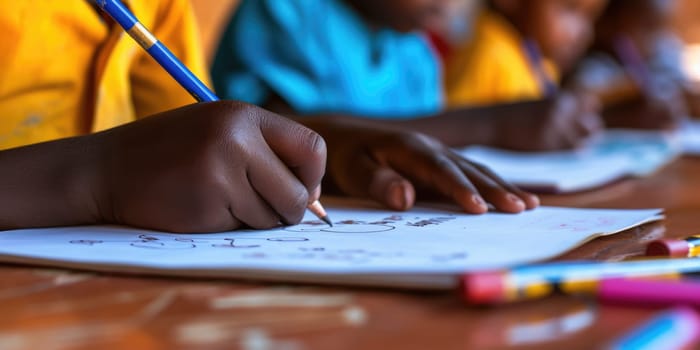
{"x": 515, "y": 199}
{"x": 476, "y": 199}
{"x": 398, "y": 196}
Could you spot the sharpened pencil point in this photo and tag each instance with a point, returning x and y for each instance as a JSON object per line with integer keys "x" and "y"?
{"x": 327, "y": 220}
{"x": 316, "y": 208}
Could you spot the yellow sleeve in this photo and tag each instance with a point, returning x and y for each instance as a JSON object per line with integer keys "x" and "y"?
{"x": 492, "y": 68}
{"x": 472, "y": 78}
{"x": 153, "y": 89}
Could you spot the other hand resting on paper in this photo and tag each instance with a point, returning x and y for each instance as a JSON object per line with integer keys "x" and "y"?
{"x": 390, "y": 164}
{"x": 562, "y": 122}
{"x": 664, "y": 110}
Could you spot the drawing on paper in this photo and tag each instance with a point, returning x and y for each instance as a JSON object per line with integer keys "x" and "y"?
{"x": 345, "y": 226}
{"x": 258, "y": 248}
{"x": 388, "y": 223}
{"x": 189, "y": 241}
{"x": 165, "y": 241}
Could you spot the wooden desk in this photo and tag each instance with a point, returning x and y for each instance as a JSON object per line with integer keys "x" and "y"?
{"x": 53, "y": 309}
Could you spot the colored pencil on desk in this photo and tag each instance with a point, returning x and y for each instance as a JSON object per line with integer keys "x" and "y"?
{"x": 540, "y": 280}
{"x": 688, "y": 247}
{"x": 649, "y": 292}
{"x": 677, "y": 329}
{"x": 127, "y": 20}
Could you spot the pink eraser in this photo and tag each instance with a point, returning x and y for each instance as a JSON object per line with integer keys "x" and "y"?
{"x": 484, "y": 287}
{"x": 676, "y": 248}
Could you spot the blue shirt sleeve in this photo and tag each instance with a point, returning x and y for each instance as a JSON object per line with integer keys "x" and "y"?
{"x": 320, "y": 56}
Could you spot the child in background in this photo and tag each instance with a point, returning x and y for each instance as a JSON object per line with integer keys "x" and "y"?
{"x": 70, "y": 71}
{"x": 454, "y": 27}
{"x": 635, "y": 65}
{"x": 337, "y": 56}
{"x": 518, "y": 50}
{"x": 362, "y": 60}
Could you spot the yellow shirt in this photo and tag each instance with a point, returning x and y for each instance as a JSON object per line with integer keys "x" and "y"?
{"x": 65, "y": 71}
{"x": 493, "y": 67}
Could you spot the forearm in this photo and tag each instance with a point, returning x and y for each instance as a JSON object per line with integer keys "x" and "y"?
{"x": 458, "y": 127}
{"x": 454, "y": 128}
{"x": 49, "y": 184}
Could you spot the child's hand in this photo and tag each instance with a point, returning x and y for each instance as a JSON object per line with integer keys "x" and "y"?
{"x": 665, "y": 110}
{"x": 208, "y": 167}
{"x": 388, "y": 165}
{"x": 563, "y": 122}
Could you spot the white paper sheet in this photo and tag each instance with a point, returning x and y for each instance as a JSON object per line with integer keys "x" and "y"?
{"x": 616, "y": 155}
{"x": 424, "y": 248}
{"x": 690, "y": 138}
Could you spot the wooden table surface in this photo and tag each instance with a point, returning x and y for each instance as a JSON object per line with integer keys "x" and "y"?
{"x": 43, "y": 308}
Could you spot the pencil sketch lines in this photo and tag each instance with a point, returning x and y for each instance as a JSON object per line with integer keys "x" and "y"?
{"x": 431, "y": 221}
{"x": 345, "y": 226}
{"x": 232, "y": 242}
{"x": 178, "y": 242}
{"x": 86, "y": 241}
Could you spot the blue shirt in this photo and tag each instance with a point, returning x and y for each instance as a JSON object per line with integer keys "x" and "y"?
{"x": 321, "y": 56}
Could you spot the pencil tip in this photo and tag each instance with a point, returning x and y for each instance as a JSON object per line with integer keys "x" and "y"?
{"x": 327, "y": 220}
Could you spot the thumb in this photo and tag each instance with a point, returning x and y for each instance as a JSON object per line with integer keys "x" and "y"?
{"x": 391, "y": 189}
{"x": 366, "y": 178}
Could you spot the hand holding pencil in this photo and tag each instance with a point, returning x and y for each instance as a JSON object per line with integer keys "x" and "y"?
{"x": 212, "y": 167}
{"x": 122, "y": 15}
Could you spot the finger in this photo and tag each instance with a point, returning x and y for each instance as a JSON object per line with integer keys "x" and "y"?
{"x": 229, "y": 222}
{"x": 590, "y": 124}
{"x": 301, "y": 149}
{"x": 254, "y": 210}
{"x": 565, "y": 133}
{"x": 531, "y": 200}
{"x": 571, "y": 133}
{"x": 494, "y": 193}
{"x": 566, "y": 139}
{"x": 586, "y": 127}
{"x": 364, "y": 177}
{"x": 194, "y": 207}
{"x": 580, "y": 119}
{"x": 277, "y": 185}
{"x": 441, "y": 173}
{"x": 187, "y": 219}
